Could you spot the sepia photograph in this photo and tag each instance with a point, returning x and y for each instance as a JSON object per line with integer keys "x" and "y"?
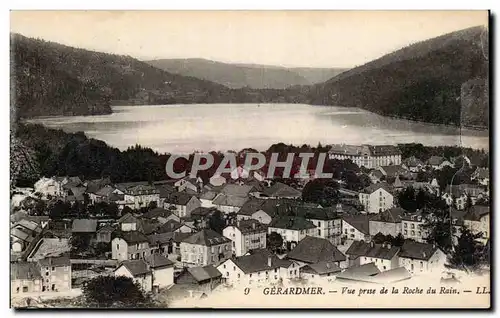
{"x": 250, "y": 159}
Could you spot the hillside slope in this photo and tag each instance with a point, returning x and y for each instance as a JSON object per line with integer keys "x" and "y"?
{"x": 420, "y": 82}
{"x": 54, "y": 79}
{"x": 254, "y": 76}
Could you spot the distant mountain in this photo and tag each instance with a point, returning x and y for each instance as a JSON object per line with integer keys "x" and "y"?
{"x": 441, "y": 80}
{"x": 245, "y": 75}
{"x": 54, "y": 79}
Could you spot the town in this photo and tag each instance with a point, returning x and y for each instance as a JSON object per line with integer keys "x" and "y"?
{"x": 384, "y": 216}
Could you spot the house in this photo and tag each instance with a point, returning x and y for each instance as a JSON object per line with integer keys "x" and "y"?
{"x": 162, "y": 270}
{"x": 167, "y": 243}
{"x": 229, "y": 203}
{"x": 139, "y": 194}
{"x": 217, "y": 180}
{"x": 25, "y": 277}
{"x": 482, "y": 176}
{"x": 457, "y": 195}
{"x": 292, "y": 229}
{"x": 56, "y": 273}
{"x": 356, "y": 227}
{"x": 412, "y": 227}
{"x": 205, "y": 248}
{"x": 23, "y": 234}
{"x": 138, "y": 270}
{"x": 421, "y": 257}
{"x": 438, "y": 162}
{"x": 128, "y": 222}
{"x": 161, "y": 215}
{"x": 477, "y": 219}
{"x": 174, "y": 226}
{"x": 320, "y": 270}
{"x": 246, "y": 235}
{"x": 200, "y": 278}
{"x": 258, "y": 267}
{"x": 328, "y": 223}
{"x": 130, "y": 245}
{"x": 387, "y": 222}
{"x": 314, "y": 250}
{"x": 201, "y": 215}
{"x": 48, "y": 247}
{"x": 55, "y": 186}
{"x": 376, "y": 176}
{"x": 207, "y": 198}
{"x": 165, "y": 189}
{"x": 104, "y": 234}
{"x": 376, "y": 198}
{"x": 413, "y": 164}
{"x": 182, "y": 203}
{"x": 281, "y": 190}
{"x": 261, "y": 210}
{"x": 370, "y": 157}
{"x": 384, "y": 256}
{"x": 188, "y": 183}
{"x": 107, "y": 193}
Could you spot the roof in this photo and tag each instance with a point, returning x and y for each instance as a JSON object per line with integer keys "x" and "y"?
{"x": 385, "y": 150}
{"x": 435, "y": 160}
{"x": 254, "y": 204}
{"x": 350, "y": 150}
{"x": 84, "y": 226}
{"x": 209, "y": 195}
{"x": 250, "y": 226}
{"x": 127, "y": 218}
{"x": 380, "y": 251}
{"x": 55, "y": 261}
{"x": 360, "y": 222}
{"x": 321, "y": 268}
{"x": 229, "y": 200}
{"x": 94, "y": 185}
{"x": 157, "y": 212}
{"x": 179, "y": 198}
{"x": 157, "y": 261}
{"x": 359, "y": 272}
{"x": 374, "y": 187}
{"x": 48, "y": 247}
{"x": 259, "y": 261}
{"x": 202, "y": 211}
{"x": 24, "y": 271}
{"x": 391, "y": 276}
{"x": 236, "y": 190}
{"x": 165, "y": 189}
{"x": 132, "y": 237}
{"x": 393, "y": 215}
{"x": 137, "y": 188}
{"x": 393, "y": 170}
{"x": 281, "y": 190}
{"x": 164, "y": 238}
{"x": 135, "y": 267}
{"x": 415, "y": 250}
{"x": 106, "y": 228}
{"x": 291, "y": 223}
{"x": 29, "y": 225}
{"x": 204, "y": 273}
{"x": 308, "y": 212}
{"x": 482, "y": 173}
{"x": 206, "y": 237}
{"x": 469, "y": 189}
{"x": 169, "y": 226}
{"x": 22, "y": 234}
{"x": 105, "y": 191}
{"x": 377, "y": 174}
{"x": 315, "y": 250}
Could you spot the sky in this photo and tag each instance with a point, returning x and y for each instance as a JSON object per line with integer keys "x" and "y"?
{"x": 284, "y": 38}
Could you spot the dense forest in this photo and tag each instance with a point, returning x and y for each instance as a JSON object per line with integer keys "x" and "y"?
{"x": 420, "y": 82}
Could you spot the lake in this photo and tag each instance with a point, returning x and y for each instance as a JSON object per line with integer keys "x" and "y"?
{"x": 206, "y": 127}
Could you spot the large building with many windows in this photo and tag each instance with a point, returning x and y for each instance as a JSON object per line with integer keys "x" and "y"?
{"x": 370, "y": 157}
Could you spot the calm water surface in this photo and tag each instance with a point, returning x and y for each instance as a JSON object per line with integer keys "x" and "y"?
{"x": 206, "y": 127}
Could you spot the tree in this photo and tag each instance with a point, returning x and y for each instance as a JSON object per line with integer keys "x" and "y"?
{"x": 439, "y": 228}
{"x": 111, "y": 291}
{"x": 399, "y": 240}
{"x": 274, "y": 241}
{"x": 59, "y": 210}
{"x": 321, "y": 191}
{"x": 379, "y": 238}
{"x": 468, "y": 253}
{"x": 216, "y": 222}
{"x": 80, "y": 243}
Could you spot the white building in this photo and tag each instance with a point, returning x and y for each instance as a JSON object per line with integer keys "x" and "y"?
{"x": 246, "y": 235}
{"x": 370, "y": 157}
{"x": 259, "y": 267}
{"x": 376, "y": 198}
{"x": 292, "y": 229}
{"x": 356, "y": 227}
{"x": 412, "y": 227}
{"x": 478, "y": 221}
{"x": 205, "y": 248}
{"x": 420, "y": 258}
{"x": 384, "y": 256}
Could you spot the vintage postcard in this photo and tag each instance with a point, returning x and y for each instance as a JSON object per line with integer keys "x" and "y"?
{"x": 250, "y": 159}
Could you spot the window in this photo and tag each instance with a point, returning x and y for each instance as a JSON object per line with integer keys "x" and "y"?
{"x": 275, "y": 270}
{"x": 406, "y": 225}
{"x": 250, "y": 275}
{"x": 25, "y": 289}
{"x": 234, "y": 268}
{"x": 406, "y": 232}
{"x": 413, "y": 226}
{"x": 238, "y": 275}
{"x": 412, "y": 232}
{"x": 421, "y": 264}
{"x": 224, "y": 266}
{"x": 295, "y": 272}
{"x": 227, "y": 273}
{"x": 46, "y": 273}
{"x": 384, "y": 267}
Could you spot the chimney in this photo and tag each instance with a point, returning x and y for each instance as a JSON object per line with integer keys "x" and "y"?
{"x": 372, "y": 244}
{"x": 253, "y": 225}
{"x": 269, "y": 261}
{"x": 424, "y": 254}
{"x": 327, "y": 265}
{"x": 388, "y": 245}
{"x": 434, "y": 246}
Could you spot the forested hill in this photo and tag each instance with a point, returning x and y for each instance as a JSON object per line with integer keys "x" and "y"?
{"x": 441, "y": 80}
{"x": 54, "y": 79}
